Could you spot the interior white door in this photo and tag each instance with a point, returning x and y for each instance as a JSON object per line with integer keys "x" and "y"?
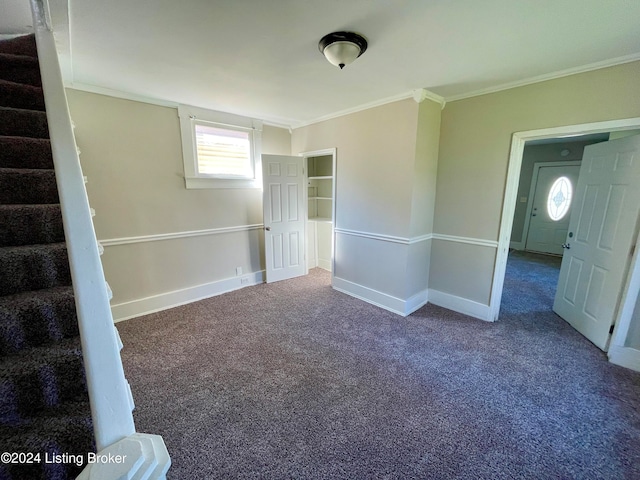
{"x": 601, "y": 233}
{"x": 284, "y": 218}
{"x": 546, "y": 233}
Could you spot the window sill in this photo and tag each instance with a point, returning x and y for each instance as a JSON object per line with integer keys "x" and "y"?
{"x": 201, "y": 182}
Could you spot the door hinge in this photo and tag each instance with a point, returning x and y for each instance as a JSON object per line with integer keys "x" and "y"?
{"x": 611, "y": 329}
{"x": 633, "y": 249}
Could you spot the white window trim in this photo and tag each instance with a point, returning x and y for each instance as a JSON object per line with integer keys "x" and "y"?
{"x": 188, "y": 117}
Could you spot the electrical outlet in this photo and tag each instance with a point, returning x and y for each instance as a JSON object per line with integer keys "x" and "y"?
{"x": 238, "y": 271}
{"x": 244, "y": 281}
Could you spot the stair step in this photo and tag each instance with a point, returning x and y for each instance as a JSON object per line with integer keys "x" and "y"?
{"x": 22, "y": 45}
{"x": 28, "y": 186}
{"x": 19, "y": 95}
{"x": 67, "y": 429}
{"x": 25, "y": 152}
{"x": 33, "y": 267}
{"x": 30, "y": 224}
{"x": 20, "y": 69}
{"x": 36, "y": 319}
{"x": 19, "y": 122}
{"x": 40, "y": 378}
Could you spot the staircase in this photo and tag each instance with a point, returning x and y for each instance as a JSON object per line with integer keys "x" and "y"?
{"x": 44, "y": 405}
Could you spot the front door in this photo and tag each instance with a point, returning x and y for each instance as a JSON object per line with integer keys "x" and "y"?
{"x": 284, "y": 216}
{"x": 551, "y": 211}
{"x": 602, "y": 230}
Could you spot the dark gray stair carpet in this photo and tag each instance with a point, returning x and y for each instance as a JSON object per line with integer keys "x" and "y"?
{"x": 36, "y": 319}
{"x": 20, "y": 122}
{"x": 20, "y": 68}
{"x": 44, "y": 377}
{"x": 19, "y": 95}
{"x": 44, "y": 405}
{"x": 27, "y": 186}
{"x": 68, "y": 430}
{"x": 29, "y": 224}
{"x": 25, "y": 152}
{"x": 33, "y": 267}
{"x": 23, "y": 45}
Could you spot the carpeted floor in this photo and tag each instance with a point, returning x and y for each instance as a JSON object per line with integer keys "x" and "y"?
{"x": 296, "y": 380}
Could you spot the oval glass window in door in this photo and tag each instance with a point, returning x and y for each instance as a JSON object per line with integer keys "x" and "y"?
{"x": 559, "y": 199}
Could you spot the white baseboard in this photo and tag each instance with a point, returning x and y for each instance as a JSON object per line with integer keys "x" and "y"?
{"x": 380, "y": 299}
{"x": 324, "y": 264}
{"x": 163, "y": 301}
{"x": 460, "y": 305}
{"x": 625, "y": 357}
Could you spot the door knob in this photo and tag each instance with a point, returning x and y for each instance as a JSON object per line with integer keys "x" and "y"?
{"x": 268, "y": 229}
{"x": 567, "y": 246}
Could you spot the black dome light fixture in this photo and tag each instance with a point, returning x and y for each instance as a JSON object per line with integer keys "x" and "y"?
{"x": 342, "y": 48}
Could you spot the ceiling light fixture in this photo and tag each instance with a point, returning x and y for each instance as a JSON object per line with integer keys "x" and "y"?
{"x": 342, "y": 48}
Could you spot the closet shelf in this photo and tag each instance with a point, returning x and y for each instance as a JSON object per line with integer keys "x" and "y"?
{"x": 329, "y": 177}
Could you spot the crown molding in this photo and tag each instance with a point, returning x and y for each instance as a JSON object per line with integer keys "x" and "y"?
{"x": 612, "y": 62}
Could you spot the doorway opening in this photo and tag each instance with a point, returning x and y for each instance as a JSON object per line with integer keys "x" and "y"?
{"x": 512, "y": 195}
{"x": 320, "y": 207}
{"x": 548, "y": 177}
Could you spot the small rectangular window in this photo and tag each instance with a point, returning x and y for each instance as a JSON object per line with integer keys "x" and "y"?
{"x": 223, "y": 152}
{"x": 220, "y": 150}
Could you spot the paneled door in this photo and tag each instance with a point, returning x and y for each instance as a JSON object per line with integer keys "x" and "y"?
{"x": 284, "y": 216}
{"x": 602, "y": 230}
{"x": 551, "y": 210}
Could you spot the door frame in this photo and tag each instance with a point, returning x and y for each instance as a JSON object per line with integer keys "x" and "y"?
{"x": 316, "y": 153}
{"x": 532, "y": 190}
{"x": 632, "y": 284}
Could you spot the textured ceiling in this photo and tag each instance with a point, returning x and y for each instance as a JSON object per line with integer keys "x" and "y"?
{"x": 260, "y": 58}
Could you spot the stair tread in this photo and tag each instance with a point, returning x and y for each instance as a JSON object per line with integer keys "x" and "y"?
{"x": 36, "y": 318}
{"x": 27, "y": 171}
{"x": 21, "y": 95}
{"x": 25, "y": 86}
{"x": 27, "y": 186}
{"x": 35, "y": 296}
{"x": 23, "y": 122}
{"x": 35, "y": 112}
{"x": 20, "y": 151}
{"x": 33, "y": 248}
{"x": 19, "y": 58}
{"x": 23, "y": 44}
{"x": 37, "y": 357}
{"x": 33, "y": 267}
{"x": 75, "y": 408}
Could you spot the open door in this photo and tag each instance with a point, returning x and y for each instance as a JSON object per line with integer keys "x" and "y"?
{"x": 602, "y": 230}
{"x": 284, "y": 216}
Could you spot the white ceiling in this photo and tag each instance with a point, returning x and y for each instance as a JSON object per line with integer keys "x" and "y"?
{"x": 260, "y": 58}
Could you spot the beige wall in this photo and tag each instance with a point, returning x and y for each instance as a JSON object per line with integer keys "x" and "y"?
{"x": 375, "y": 158}
{"x": 475, "y": 140}
{"x": 385, "y": 187}
{"x": 131, "y": 153}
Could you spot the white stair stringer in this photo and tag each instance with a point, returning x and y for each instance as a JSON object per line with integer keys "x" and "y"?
{"x": 140, "y": 456}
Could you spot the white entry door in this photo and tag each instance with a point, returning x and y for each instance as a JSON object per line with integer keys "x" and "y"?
{"x": 552, "y": 205}
{"x": 284, "y": 219}
{"x": 601, "y": 233}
